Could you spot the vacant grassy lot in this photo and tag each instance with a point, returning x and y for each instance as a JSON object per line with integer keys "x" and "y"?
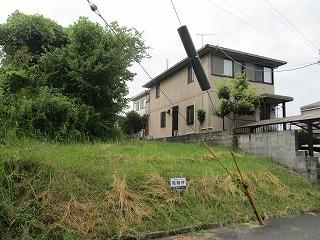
{"x": 70, "y": 191}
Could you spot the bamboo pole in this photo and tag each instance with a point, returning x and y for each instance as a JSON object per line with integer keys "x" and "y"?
{"x": 246, "y": 190}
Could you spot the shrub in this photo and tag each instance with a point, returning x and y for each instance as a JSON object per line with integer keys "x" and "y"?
{"x": 132, "y": 123}
{"x": 201, "y": 114}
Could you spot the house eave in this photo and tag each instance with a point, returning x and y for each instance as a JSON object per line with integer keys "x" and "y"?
{"x": 139, "y": 95}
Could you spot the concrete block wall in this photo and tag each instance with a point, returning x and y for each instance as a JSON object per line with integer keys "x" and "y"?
{"x": 282, "y": 148}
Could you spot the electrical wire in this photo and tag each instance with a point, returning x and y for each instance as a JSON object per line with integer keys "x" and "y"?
{"x": 273, "y": 36}
{"x": 94, "y": 8}
{"x": 288, "y": 24}
{"x": 175, "y": 10}
{"x": 96, "y": 11}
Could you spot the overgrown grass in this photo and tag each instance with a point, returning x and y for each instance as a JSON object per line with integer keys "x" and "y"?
{"x": 97, "y": 190}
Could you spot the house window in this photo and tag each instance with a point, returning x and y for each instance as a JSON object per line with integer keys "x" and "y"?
{"x": 258, "y": 73}
{"x": 158, "y": 90}
{"x": 190, "y": 115}
{"x": 142, "y": 104}
{"x": 220, "y": 66}
{"x": 163, "y": 119}
{"x": 250, "y": 72}
{"x": 227, "y": 68}
{"x": 136, "y": 106}
{"x": 267, "y": 75}
{"x": 190, "y": 75}
{"x": 238, "y": 68}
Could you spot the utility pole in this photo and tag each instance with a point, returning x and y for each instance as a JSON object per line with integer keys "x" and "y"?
{"x": 205, "y": 35}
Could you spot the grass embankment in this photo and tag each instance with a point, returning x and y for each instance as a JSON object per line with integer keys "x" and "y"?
{"x": 70, "y": 191}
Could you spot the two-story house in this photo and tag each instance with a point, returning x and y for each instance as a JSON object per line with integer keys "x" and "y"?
{"x": 180, "y": 85}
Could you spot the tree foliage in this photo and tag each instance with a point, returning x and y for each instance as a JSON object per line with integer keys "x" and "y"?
{"x": 201, "y": 115}
{"x": 236, "y": 99}
{"x": 71, "y": 80}
{"x": 132, "y": 123}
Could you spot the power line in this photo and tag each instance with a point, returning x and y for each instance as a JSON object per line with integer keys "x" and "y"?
{"x": 257, "y": 28}
{"x": 257, "y": 70}
{"x": 94, "y": 8}
{"x": 175, "y": 10}
{"x": 288, "y": 24}
{"x": 202, "y": 44}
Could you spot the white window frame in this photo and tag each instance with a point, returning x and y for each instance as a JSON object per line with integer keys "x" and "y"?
{"x": 142, "y": 103}
{"x": 267, "y": 75}
{"x": 136, "y": 106}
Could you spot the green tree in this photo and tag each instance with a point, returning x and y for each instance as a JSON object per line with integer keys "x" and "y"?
{"x": 236, "y": 99}
{"x": 132, "y": 123}
{"x": 31, "y": 34}
{"x": 84, "y": 65}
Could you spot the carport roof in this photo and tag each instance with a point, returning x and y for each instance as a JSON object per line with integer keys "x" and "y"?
{"x": 299, "y": 120}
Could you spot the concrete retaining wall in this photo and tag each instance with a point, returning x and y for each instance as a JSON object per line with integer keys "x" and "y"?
{"x": 221, "y": 138}
{"x": 279, "y": 146}
{"x": 282, "y": 148}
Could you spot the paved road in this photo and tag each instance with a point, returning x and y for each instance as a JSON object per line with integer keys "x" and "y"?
{"x": 304, "y": 227}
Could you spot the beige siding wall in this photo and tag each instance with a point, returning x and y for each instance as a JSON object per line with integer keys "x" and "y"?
{"x": 183, "y": 94}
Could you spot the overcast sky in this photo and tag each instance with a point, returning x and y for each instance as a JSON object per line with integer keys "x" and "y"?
{"x": 266, "y": 35}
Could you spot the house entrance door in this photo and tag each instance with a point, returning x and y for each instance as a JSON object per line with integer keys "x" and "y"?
{"x": 175, "y": 120}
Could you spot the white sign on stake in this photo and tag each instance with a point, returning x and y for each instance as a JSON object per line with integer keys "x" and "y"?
{"x": 178, "y": 184}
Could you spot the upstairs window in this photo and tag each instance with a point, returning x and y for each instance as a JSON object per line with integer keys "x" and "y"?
{"x": 221, "y": 66}
{"x": 227, "y": 68}
{"x": 136, "y": 106}
{"x": 238, "y": 68}
{"x": 190, "y": 75}
{"x": 258, "y": 73}
{"x": 163, "y": 119}
{"x": 158, "y": 90}
{"x": 267, "y": 75}
{"x": 190, "y": 115}
{"x": 142, "y": 104}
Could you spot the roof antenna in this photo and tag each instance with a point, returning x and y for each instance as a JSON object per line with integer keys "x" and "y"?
{"x": 205, "y": 35}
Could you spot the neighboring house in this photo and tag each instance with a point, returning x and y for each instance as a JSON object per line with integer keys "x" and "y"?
{"x": 180, "y": 85}
{"x": 310, "y": 108}
{"x": 140, "y": 102}
{"x": 141, "y": 105}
